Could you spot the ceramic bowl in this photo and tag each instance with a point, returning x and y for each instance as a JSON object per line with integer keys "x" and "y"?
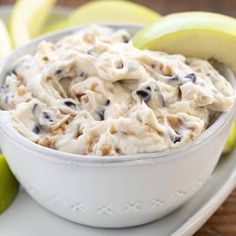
{"x": 111, "y": 191}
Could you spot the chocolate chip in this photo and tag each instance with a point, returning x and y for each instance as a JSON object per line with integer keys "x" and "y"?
{"x": 119, "y": 65}
{"x": 187, "y": 62}
{"x": 82, "y": 74}
{"x": 11, "y": 72}
{"x": 4, "y": 88}
{"x": 34, "y": 107}
{"x": 107, "y": 102}
{"x": 101, "y": 113}
{"x": 89, "y": 52}
{"x": 191, "y": 77}
{"x": 174, "y": 78}
{"x": 176, "y": 137}
{"x": 148, "y": 88}
{"x": 145, "y": 96}
{"x": 153, "y": 66}
{"x": 125, "y": 39}
{"x": 36, "y": 129}
{"x": 6, "y": 99}
{"x": 47, "y": 116}
{"x": 58, "y": 71}
{"x": 179, "y": 94}
{"x": 70, "y": 104}
{"x": 14, "y": 71}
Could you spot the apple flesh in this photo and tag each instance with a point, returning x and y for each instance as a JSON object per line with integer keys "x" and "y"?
{"x": 27, "y": 19}
{"x": 5, "y": 41}
{"x": 8, "y": 185}
{"x": 231, "y": 141}
{"x": 107, "y": 11}
{"x": 193, "y": 34}
{"x": 115, "y": 10}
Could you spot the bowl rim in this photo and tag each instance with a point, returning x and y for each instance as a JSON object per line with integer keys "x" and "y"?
{"x": 172, "y": 153}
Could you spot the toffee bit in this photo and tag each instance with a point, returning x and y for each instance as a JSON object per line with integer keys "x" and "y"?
{"x": 107, "y": 102}
{"x": 21, "y": 90}
{"x": 45, "y": 141}
{"x": 47, "y": 116}
{"x": 36, "y": 129}
{"x": 93, "y": 86}
{"x": 70, "y": 104}
{"x": 167, "y": 70}
{"x": 105, "y": 149}
{"x": 45, "y": 58}
{"x": 192, "y": 77}
{"x": 101, "y": 113}
{"x": 174, "y": 121}
{"x": 145, "y": 96}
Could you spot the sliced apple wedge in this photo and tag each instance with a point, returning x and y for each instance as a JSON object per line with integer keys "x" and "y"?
{"x": 27, "y": 19}
{"x": 103, "y": 11}
{"x": 8, "y": 185}
{"x": 113, "y": 10}
{"x": 231, "y": 141}
{"x": 5, "y": 41}
{"x": 193, "y": 34}
{"x": 62, "y": 24}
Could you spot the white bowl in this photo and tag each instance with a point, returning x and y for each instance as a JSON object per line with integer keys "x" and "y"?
{"x": 111, "y": 191}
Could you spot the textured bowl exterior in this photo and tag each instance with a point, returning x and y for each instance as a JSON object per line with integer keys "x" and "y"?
{"x": 110, "y": 193}
{"x": 113, "y": 195}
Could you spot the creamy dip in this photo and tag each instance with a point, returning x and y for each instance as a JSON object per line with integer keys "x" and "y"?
{"x": 94, "y": 93}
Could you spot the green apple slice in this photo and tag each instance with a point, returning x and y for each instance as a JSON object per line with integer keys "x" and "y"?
{"x": 28, "y": 18}
{"x": 5, "y": 41}
{"x": 193, "y": 34}
{"x": 8, "y": 185}
{"x": 62, "y": 24}
{"x": 103, "y": 11}
{"x": 231, "y": 141}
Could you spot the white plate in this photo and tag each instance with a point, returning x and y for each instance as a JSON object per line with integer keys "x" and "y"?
{"x": 26, "y": 218}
